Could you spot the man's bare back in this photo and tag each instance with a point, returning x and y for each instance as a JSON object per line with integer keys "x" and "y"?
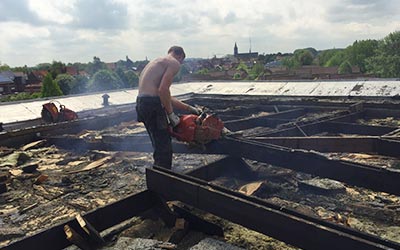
{"x": 151, "y": 76}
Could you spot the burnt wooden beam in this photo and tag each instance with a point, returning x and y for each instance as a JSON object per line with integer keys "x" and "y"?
{"x": 101, "y": 219}
{"x": 331, "y": 126}
{"x": 271, "y": 120}
{"x": 356, "y": 174}
{"x": 349, "y": 144}
{"x": 310, "y": 127}
{"x": 389, "y": 147}
{"x": 310, "y": 101}
{"x": 278, "y": 222}
{"x": 359, "y": 129}
{"x": 382, "y": 113}
{"x": 22, "y": 136}
{"x": 243, "y": 111}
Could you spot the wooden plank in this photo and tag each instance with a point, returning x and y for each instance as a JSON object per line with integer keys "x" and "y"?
{"x": 281, "y": 223}
{"x": 93, "y": 165}
{"x": 102, "y": 218}
{"x": 357, "y": 174}
{"x": 350, "y": 144}
{"x": 93, "y": 234}
{"x": 76, "y": 239}
{"x": 264, "y": 121}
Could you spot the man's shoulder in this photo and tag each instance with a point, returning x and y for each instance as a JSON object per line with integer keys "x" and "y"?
{"x": 172, "y": 62}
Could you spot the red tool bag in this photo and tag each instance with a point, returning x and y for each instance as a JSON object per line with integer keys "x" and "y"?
{"x": 66, "y": 114}
{"x": 50, "y": 113}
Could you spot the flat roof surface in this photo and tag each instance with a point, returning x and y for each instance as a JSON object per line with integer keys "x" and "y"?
{"x": 29, "y": 110}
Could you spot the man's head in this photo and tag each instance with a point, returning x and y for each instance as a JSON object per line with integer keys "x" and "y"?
{"x": 178, "y": 53}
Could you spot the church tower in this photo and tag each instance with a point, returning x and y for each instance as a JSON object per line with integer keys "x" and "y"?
{"x": 235, "y": 50}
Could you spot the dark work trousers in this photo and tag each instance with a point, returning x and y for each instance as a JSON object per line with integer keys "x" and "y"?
{"x": 151, "y": 113}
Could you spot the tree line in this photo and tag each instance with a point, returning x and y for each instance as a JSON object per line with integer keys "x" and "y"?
{"x": 97, "y": 77}
{"x": 379, "y": 58}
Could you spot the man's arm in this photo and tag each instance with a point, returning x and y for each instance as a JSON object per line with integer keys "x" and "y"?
{"x": 179, "y": 104}
{"x": 166, "y": 81}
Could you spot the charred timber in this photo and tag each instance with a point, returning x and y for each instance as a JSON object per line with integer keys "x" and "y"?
{"x": 101, "y": 219}
{"x": 281, "y": 223}
{"x": 360, "y": 144}
{"x": 356, "y": 174}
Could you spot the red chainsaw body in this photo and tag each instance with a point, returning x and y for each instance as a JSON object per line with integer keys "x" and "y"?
{"x": 201, "y": 129}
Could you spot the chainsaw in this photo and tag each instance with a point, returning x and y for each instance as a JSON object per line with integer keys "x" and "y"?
{"x": 200, "y": 129}
{"x": 50, "y": 113}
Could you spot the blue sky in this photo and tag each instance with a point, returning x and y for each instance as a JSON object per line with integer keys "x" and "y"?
{"x": 38, "y": 31}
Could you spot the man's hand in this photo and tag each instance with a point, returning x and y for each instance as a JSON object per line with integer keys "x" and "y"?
{"x": 194, "y": 110}
{"x": 173, "y": 119}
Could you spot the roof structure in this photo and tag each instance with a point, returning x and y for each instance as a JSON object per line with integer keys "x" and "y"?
{"x": 28, "y": 110}
{"x": 326, "y": 168}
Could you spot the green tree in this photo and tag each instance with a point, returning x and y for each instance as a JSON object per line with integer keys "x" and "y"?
{"x": 56, "y": 68}
{"x": 242, "y": 66}
{"x": 256, "y": 70}
{"x": 360, "y": 51}
{"x": 66, "y": 83}
{"x": 43, "y": 66}
{"x": 236, "y": 76}
{"x": 81, "y": 84}
{"x": 78, "y": 65}
{"x": 304, "y": 56}
{"x": 203, "y": 71}
{"x": 23, "y": 69}
{"x": 50, "y": 87}
{"x": 291, "y": 62}
{"x": 104, "y": 80}
{"x": 122, "y": 76}
{"x": 325, "y": 56}
{"x": 133, "y": 79}
{"x": 386, "y": 62}
{"x": 20, "y": 96}
{"x": 4, "y": 67}
{"x": 345, "y": 68}
{"x": 336, "y": 59}
{"x": 95, "y": 66}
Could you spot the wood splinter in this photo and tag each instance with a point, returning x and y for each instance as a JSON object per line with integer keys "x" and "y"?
{"x": 90, "y": 230}
{"x": 75, "y": 238}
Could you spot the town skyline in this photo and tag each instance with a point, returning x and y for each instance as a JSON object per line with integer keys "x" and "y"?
{"x": 39, "y": 31}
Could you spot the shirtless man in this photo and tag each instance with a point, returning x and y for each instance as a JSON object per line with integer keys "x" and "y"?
{"x": 154, "y": 104}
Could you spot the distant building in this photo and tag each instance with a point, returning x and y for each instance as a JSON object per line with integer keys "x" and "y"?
{"x": 244, "y": 56}
{"x": 5, "y": 85}
{"x": 72, "y": 70}
{"x": 111, "y": 66}
{"x": 129, "y": 64}
{"x": 35, "y": 79}
{"x": 18, "y": 82}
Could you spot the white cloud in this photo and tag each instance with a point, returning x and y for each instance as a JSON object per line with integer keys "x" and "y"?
{"x": 36, "y": 31}
{"x": 52, "y": 11}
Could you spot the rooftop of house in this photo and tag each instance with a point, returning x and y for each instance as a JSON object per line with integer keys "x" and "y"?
{"x": 27, "y": 110}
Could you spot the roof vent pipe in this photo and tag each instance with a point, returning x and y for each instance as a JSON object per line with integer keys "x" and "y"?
{"x": 105, "y": 100}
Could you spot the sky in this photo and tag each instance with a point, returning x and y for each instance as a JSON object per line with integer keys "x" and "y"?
{"x": 43, "y": 31}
